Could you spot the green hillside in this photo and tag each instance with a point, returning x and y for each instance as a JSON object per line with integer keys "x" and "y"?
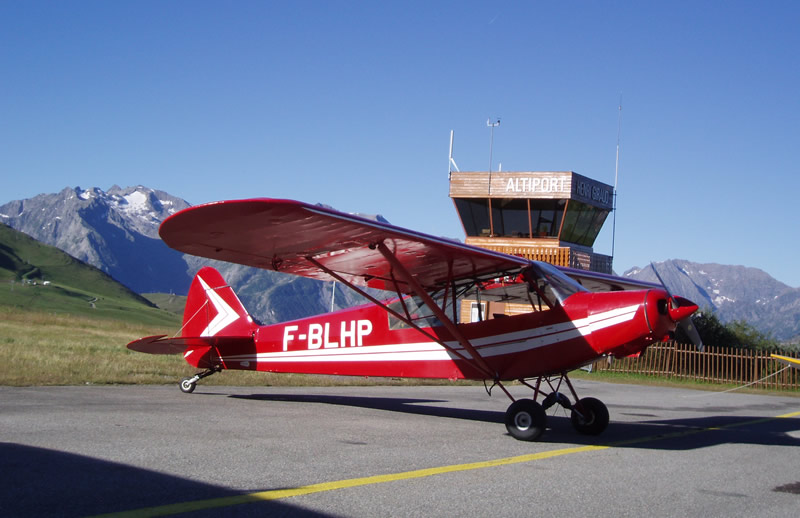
{"x": 167, "y": 301}
{"x": 42, "y": 278}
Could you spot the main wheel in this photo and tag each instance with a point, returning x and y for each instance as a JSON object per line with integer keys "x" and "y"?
{"x": 526, "y": 420}
{"x": 187, "y": 386}
{"x": 589, "y": 416}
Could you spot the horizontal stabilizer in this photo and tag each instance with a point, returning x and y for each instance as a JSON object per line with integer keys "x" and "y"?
{"x": 161, "y": 344}
{"x": 157, "y": 345}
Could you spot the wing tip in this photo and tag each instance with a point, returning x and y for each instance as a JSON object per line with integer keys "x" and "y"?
{"x": 792, "y": 362}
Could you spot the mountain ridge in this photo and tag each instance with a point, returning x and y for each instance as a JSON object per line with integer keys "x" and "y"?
{"x": 117, "y": 231}
{"x": 733, "y": 292}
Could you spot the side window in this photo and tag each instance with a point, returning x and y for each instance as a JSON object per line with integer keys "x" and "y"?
{"x": 417, "y": 312}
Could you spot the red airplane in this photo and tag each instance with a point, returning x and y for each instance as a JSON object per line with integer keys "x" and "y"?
{"x": 416, "y": 333}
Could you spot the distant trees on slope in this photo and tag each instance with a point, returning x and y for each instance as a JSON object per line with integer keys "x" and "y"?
{"x": 738, "y": 333}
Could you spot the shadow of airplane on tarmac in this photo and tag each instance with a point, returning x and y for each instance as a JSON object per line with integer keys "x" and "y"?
{"x": 663, "y": 434}
{"x": 42, "y": 482}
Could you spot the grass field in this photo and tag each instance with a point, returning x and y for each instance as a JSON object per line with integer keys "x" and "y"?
{"x": 42, "y": 348}
{"x": 58, "y": 299}
{"x": 45, "y": 348}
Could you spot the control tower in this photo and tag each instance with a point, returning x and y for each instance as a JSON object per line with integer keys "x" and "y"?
{"x": 545, "y": 216}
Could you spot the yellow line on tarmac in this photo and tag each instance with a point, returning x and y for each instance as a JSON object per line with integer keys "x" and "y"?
{"x": 278, "y": 494}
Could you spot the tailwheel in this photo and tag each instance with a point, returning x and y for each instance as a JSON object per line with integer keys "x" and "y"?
{"x": 525, "y": 420}
{"x": 187, "y": 385}
{"x": 589, "y": 416}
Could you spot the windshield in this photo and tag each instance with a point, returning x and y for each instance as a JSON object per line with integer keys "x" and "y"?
{"x": 551, "y": 282}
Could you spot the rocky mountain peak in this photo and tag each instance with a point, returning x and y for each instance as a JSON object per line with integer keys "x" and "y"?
{"x": 117, "y": 231}
{"x": 110, "y": 230}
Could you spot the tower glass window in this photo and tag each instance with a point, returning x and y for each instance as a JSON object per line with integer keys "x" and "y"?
{"x": 474, "y": 213}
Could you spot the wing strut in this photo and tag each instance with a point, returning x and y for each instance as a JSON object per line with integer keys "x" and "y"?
{"x": 434, "y": 307}
{"x": 437, "y": 311}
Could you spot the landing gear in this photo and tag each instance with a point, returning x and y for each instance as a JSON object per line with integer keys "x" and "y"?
{"x": 589, "y": 416}
{"x": 188, "y": 385}
{"x": 526, "y": 419}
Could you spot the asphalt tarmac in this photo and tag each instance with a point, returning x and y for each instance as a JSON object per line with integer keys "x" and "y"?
{"x": 391, "y": 451}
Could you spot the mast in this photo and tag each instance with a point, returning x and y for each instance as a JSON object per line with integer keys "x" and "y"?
{"x": 616, "y": 177}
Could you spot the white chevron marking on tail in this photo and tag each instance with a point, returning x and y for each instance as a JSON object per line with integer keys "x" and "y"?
{"x": 225, "y": 314}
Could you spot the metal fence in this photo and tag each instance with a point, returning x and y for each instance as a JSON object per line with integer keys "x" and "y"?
{"x": 714, "y": 364}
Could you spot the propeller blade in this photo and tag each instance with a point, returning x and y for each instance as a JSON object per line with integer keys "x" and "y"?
{"x": 660, "y": 280}
{"x": 691, "y": 331}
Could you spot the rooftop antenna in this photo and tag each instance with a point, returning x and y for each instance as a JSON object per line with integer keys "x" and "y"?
{"x": 492, "y": 125}
{"x": 452, "y": 163}
{"x": 616, "y": 176}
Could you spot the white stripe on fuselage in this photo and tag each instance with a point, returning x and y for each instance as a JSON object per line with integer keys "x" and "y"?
{"x": 497, "y": 345}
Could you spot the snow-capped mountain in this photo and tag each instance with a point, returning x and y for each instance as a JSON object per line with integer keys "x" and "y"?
{"x": 733, "y": 292}
{"x": 116, "y": 231}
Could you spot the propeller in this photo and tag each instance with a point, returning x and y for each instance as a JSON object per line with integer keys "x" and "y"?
{"x": 680, "y": 311}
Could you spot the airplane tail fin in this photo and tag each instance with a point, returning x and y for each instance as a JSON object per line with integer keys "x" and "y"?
{"x": 213, "y": 309}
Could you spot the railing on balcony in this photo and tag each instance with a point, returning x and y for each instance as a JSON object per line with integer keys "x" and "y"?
{"x": 557, "y": 255}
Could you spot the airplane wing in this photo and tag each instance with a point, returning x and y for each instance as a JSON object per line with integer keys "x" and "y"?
{"x": 594, "y": 281}
{"x": 317, "y": 242}
{"x": 791, "y": 362}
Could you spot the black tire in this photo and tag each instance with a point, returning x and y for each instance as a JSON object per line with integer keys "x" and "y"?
{"x": 589, "y": 416}
{"x": 525, "y": 420}
{"x": 186, "y": 385}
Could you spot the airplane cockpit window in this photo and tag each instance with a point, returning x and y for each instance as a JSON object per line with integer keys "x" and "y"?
{"x": 551, "y": 282}
{"x": 416, "y": 310}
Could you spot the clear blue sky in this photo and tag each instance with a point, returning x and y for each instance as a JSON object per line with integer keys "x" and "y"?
{"x": 352, "y": 103}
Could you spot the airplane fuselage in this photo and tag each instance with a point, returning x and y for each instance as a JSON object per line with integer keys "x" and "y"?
{"x": 368, "y": 341}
